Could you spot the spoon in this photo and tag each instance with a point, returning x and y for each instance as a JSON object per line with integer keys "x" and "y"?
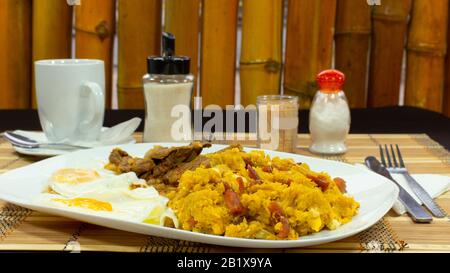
{"x": 25, "y": 142}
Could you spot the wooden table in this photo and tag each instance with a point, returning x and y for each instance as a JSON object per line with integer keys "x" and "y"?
{"x": 23, "y": 230}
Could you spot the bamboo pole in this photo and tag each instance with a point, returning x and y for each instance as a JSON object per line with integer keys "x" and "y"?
{"x": 260, "y": 63}
{"x": 309, "y": 46}
{"x": 352, "y": 39}
{"x": 390, "y": 21}
{"x": 446, "y": 103}
{"x": 218, "y": 62}
{"x": 427, "y": 45}
{"x": 95, "y": 26}
{"x": 15, "y": 54}
{"x": 178, "y": 15}
{"x": 139, "y": 30}
{"x": 52, "y": 32}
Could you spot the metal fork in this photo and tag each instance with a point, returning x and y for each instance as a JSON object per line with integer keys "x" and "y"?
{"x": 399, "y": 167}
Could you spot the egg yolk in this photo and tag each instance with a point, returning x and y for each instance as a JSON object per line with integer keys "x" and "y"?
{"x": 86, "y": 203}
{"x": 75, "y": 176}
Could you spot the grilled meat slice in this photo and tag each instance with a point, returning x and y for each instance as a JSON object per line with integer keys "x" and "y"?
{"x": 232, "y": 146}
{"x": 122, "y": 162}
{"x": 162, "y": 165}
{"x": 172, "y": 176}
{"x": 175, "y": 156}
{"x": 158, "y": 153}
{"x": 116, "y": 156}
{"x": 188, "y": 152}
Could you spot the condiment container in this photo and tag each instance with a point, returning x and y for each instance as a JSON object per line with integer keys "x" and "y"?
{"x": 329, "y": 119}
{"x": 277, "y": 122}
{"x": 168, "y": 88}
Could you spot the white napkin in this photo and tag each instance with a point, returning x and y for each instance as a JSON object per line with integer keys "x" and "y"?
{"x": 434, "y": 184}
{"x": 118, "y": 134}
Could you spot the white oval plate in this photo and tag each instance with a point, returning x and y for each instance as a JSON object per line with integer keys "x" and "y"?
{"x": 375, "y": 193}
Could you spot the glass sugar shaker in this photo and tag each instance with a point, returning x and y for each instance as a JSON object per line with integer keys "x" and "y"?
{"x": 329, "y": 119}
{"x": 168, "y": 88}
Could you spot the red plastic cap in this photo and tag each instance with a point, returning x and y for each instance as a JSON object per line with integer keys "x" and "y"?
{"x": 331, "y": 80}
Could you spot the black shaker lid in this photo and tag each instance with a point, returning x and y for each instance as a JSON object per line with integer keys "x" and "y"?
{"x": 168, "y": 64}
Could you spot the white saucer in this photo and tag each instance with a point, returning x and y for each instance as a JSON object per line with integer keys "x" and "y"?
{"x": 41, "y": 152}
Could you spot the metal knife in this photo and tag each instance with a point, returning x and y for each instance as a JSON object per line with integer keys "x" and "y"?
{"x": 423, "y": 196}
{"x": 414, "y": 209}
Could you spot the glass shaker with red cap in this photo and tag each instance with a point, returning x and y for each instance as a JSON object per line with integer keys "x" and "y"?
{"x": 329, "y": 118}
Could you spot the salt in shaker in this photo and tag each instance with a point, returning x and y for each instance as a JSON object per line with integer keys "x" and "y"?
{"x": 329, "y": 120}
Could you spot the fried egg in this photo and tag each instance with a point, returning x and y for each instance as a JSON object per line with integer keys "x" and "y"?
{"x": 122, "y": 196}
{"x": 75, "y": 182}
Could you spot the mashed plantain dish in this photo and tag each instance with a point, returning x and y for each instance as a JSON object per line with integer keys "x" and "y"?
{"x": 250, "y": 195}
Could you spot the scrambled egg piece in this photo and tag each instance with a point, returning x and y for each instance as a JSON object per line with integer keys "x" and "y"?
{"x": 250, "y": 195}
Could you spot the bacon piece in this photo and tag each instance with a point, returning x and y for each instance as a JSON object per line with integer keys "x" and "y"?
{"x": 285, "y": 228}
{"x": 267, "y": 169}
{"x": 278, "y": 216}
{"x": 232, "y": 201}
{"x": 320, "y": 181}
{"x": 192, "y": 222}
{"x": 252, "y": 173}
{"x": 248, "y": 161}
{"x": 240, "y": 182}
{"x": 276, "y": 212}
{"x": 341, "y": 184}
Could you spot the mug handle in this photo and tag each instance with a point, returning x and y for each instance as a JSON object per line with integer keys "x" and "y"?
{"x": 93, "y": 89}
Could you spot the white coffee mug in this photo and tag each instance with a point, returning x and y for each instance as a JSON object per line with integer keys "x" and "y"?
{"x": 71, "y": 98}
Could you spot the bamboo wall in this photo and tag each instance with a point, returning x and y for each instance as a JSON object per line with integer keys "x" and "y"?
{"x": 15, "y": 54}
{"x": 95, "y": 28}
{"x": 352, "y": 39}
{"x": 139, "y": 30}
{"x": 178, "y": 15}
{"x": 390, "y": 23}
{"x": 379, "y": 48}
{"x": 218, "y": 47}
{"x": 52, "y": 33}
{"x": 309, "y": 46}
{"x": 446, "y": 100}
{"x": 426, "y": 54}
{"x": 261, "y": 55}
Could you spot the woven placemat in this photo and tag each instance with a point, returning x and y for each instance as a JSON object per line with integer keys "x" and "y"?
{"x": 11, "y": 216}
